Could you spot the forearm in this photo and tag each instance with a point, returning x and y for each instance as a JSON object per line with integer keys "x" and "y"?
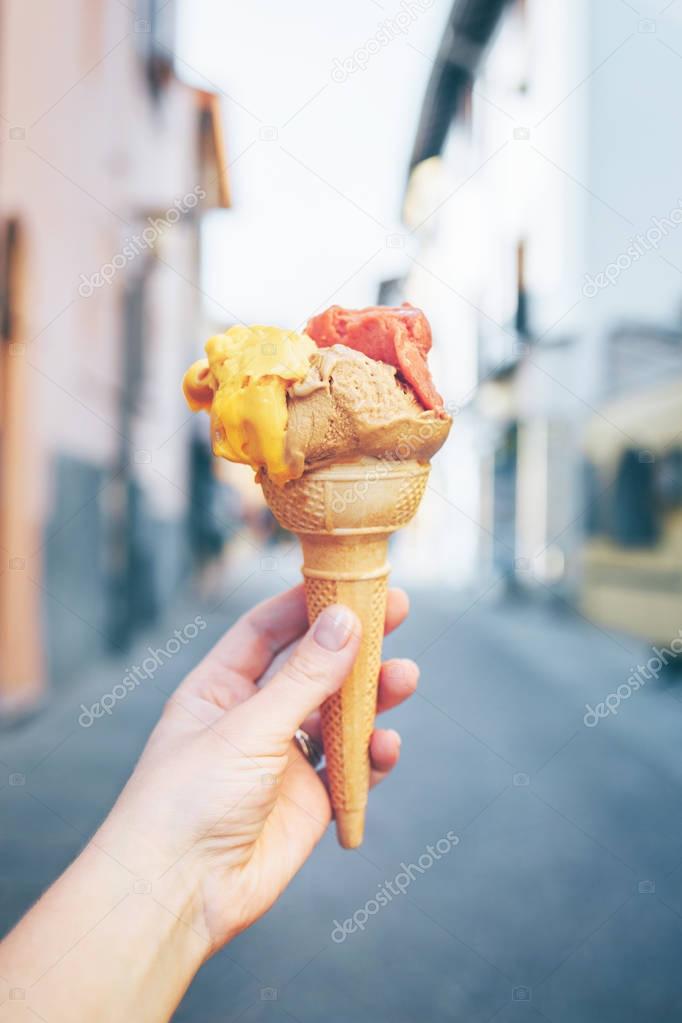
{"x": 103, "y": 944}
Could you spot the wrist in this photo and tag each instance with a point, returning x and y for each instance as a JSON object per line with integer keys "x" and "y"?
{"x": 158, "y": 875}
{"x": 100, "y": 928}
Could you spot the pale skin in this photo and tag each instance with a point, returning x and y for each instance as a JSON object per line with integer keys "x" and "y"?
{"x": 219, "y": 814}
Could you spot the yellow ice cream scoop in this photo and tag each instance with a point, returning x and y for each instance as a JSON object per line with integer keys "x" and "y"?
{"x": 243, "y": 383}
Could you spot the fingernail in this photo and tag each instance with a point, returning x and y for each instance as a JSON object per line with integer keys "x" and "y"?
{"x": 333, "y": 627}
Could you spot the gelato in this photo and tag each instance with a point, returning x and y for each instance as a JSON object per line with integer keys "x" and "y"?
{"x": 243, "y": 384}
{"x": 280, "y": 403}
{"x": 397, "y": 335}
{"x": 349, "y": 405}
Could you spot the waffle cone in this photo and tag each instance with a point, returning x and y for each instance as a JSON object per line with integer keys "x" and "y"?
{"x": 343, "y": 516}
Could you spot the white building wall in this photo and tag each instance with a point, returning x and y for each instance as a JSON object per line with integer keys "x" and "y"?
{"x": 571, "y": 141}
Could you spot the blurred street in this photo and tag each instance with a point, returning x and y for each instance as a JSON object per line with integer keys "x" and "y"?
{"x": 561, "y": 901}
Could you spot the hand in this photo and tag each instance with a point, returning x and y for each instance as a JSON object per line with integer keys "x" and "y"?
{"x": 222, "y": 802}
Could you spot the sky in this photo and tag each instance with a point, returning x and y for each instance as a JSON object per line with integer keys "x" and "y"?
{"x": 321, "y": 106}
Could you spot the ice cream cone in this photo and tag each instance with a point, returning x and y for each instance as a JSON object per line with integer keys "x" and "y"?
{"x": 343, "y": 515}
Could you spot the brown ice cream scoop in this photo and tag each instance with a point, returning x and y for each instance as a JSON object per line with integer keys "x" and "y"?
{"x": 350, "y": 406}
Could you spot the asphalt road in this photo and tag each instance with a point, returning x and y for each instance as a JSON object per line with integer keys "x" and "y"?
{"x": 560, "y": 894}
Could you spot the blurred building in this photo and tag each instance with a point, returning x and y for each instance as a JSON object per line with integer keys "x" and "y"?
{"x": 633, "y": 481}
{"x": 107, "y": 161}
{"x": 532, "y": 207}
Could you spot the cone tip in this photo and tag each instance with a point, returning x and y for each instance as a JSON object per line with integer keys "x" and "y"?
{"x": 350, "y": 827}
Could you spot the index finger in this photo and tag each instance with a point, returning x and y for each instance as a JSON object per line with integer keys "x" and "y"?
{"x": 259, "y": 635}
{"x": 253, "y": 642}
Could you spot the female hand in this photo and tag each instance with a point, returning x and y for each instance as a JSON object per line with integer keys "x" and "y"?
{"x": 222, "y": 804}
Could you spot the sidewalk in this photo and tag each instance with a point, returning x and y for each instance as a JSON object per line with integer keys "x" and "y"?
{"x": 561, "y": 899}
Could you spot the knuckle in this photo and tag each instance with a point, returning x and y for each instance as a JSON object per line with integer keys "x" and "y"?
{"x": 304, "y": 668}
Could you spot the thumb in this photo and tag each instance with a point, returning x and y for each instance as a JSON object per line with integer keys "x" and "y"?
{"x": 315, "y": 670}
